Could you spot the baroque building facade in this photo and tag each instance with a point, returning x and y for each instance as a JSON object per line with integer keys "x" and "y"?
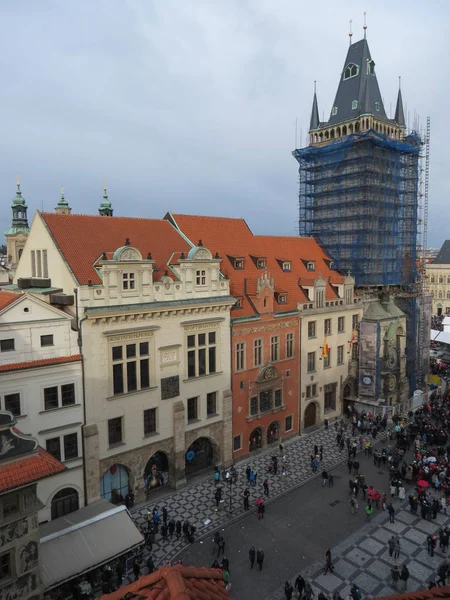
{"x": 438, "y": 280}
{"x": 154, "y": 335}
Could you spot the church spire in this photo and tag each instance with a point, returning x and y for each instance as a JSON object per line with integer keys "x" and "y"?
{"x": 105, "y": 209}
{"x": 19, "y": 208}
{"x": 399, "y": 114}
{"x": 63, "y": 208}
{"x": 314, "y": 123}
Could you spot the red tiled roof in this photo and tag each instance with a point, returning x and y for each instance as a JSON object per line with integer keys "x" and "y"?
{"x": 7, "y": 298}
{"x": 83, "y": 238}
{"x": 44, "y": 362}
{"x": 233, "y": 238}
{"x": 28, "y": 470}
{"x": 436, "y": 593}
{"x": 180, "y": 582}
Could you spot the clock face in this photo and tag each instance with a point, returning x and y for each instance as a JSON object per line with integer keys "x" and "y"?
{"x": 392, "y": 382}
{"x": 392, "y": 358}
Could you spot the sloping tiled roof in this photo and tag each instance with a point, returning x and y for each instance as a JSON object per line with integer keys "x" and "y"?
{"x": 44, "y": 362}
{"x": 7, "y": 298}
{"x": 28, "y": 470}
{"x": 180, "y": 582}
{"x": 443, "y": 256}
{"x": 232, "y": 238}
{"x": 82, "y": 239}
{"x": 436, "y": 593}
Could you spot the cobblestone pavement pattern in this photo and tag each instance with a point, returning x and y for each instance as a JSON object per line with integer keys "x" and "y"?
{"x": 196, "y": 502}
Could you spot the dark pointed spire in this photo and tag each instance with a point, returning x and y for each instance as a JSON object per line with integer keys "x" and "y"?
{"x": 399, "y": 114}
{"x": 314, "y": 123}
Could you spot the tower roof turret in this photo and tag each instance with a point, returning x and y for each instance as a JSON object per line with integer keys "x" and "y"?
{"x": 19, "y": 223}
{"x": 314, "y": 123}
{"x": 63, "y": 207}
{"x": 399, "y": 114}
{"x": 105, "y": 209}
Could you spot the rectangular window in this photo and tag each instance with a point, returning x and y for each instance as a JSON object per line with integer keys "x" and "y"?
{"x": 115, "y": 431}
{"x": 237, "y": 443}
{"x": 33, "y": 263}
{"x": 278, "y": 398}
{"x": 192, "y": 409}
{"x": 211, "y": 404}
{"x": 201, "y": 356}
{"x": 355, "y": 322}
{"x": 265, "y": 400}
{"x": 327, "y": 360}
{"x": 240, "y": 356}
{"x": 330, "y": 397}
{"x": 46, "y": 340}
{"x": 311, "y": 366}
{"x": 355, "y": 351}
{"x": 5, "y": 567}
{"x": 257, "y": 353}
{"x": 254, "y": 405}
{"x": 341, "y": 324}
{"x": 289, "y": 345}
{"x": 45, "y": 263}
{"x": 200, "y": 277}
{"x": 149, "y": 421}
{"x": 7, "y": 345}
{"x": 12, "y": 404}
{"x": 311, "y": 329}
{"x": 68, "y": 394}
{"x": 128, "y": 281}
{"x": 51, "y": 398}
{"x": 340, "y": 355}
{"x": 327, "y": 327}
{"x": 11, "y": 504}
{"x": 70, "y": 446}
{"x": 53, "y": 447}
{"x": 311, "y": 390}
{"x": 275, "y": 348}
{"x": 288, "y": 423}
{"x": 39, "y": 264}
{"x": 131, "y": 368}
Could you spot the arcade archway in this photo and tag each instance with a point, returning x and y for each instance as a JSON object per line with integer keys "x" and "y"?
{"x": 255, "y": 440}
{"x": 114, "y": 485}
{"x": 273, "y": 432}
{"x": 156, "y": 472}
{"x": 199, "y": 456}
{"x": 310, "y": 415}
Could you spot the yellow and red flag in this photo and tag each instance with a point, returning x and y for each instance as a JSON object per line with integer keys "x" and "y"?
{"x": 325, "y": 348}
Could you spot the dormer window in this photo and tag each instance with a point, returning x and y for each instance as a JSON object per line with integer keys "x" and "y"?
{"x": 354, "y": 104}
{"x": 238, "y": 303}
{"x": 200, "y": 277}
{"x": 286, "y": 266}
{"x": 261, "y": 263}
{"x": 128, "y": 281}
{"x": 334, "y": 110}
{"x": 351, "y": 70}
{"x": 377, "y": 106}
{"x": 282, "y": 298}
{"x": 331, "y": 265}
{"x": 310, "y": 265}
{"x": 239, "y": 263}
{"x": 370, "y": 67}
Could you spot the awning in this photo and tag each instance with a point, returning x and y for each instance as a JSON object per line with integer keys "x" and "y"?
{"x": 443, "y": 337}
{"x": 434, "y": 334}
{"x": 84, "y": 540}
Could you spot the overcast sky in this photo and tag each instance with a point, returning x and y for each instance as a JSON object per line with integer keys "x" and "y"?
{"x": 190, "y": 105}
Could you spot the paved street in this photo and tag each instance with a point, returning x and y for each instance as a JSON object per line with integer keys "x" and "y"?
{"x": 196, "y": 502}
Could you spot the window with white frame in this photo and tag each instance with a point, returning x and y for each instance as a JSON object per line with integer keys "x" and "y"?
{"x": 237, "y": 442}
{"x": 311, "y": 329}
{"x": 63, "y": 447}
{"x": 46, "y": 340}
{"x": 327, "y": 359}
{"x": 200, "y": 277}
{"x": 355, "y": 322}
{"x": 257, "y": 353}
{"x": 261, "y": 263}
{"x": 201, "y": 354}
{"x": 211, "y": 404}
{"x": 320, "y": 298}
{"x": 286, "y": 266}
{"x": 239, "y": 264}
{"x": 341, "y": 324}
{"x": 240, "y": 356}
{"x": 150, "y": 421}
{"x": 11, "y": 403}
{"x": 340, "y": 355}
{"x": 128, "y": 281}
{"x": 310, "y": 265}
{"x": 275, "y": 348}
{"x": 288, "y": 423}
{"x": 39, "y": 263}
{"x": 192, "y": 409}
{"x": 59, "y": 396}
{"x": 311, "y": 362}
{"x": 115, "y": 431}
{"x": 289, "y": 345}
{"x": 130, "y": 367}
{"x": 311, "y": 390}
{"x": 327, "y": 326}
{"x": 7, "y": 345}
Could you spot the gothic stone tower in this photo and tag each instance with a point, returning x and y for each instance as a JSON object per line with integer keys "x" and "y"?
{"x": 358, "y": 193}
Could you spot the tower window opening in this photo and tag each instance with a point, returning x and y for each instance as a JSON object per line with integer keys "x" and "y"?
{"x": 371, "y": 68}
{"x": 377, "y": 106}
{"x": 354, "y": 104}
{"x": 351, "y": 71}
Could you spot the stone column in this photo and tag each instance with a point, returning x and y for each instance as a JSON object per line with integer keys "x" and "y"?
{"x": 91, "y": 463}
{"x": 226, "y": 437}
{"x": 177, "y": 476}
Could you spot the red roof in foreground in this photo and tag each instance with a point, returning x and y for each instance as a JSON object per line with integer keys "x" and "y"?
{"x": 7, "y": 298}
{"x": 44, "y": 362}
{"x": 436, "y": 593}
{"x": 83, "y": 238}
{"x": 180, "y": 582}
{"x": 28, "y": 470}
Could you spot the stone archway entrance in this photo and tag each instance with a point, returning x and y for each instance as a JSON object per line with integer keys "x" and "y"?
{"x": 114, "y": 485}
{"x": 156, "y": 472}
{"x": 199, "y": 456}
{"x": 255, "y": 440}
{"x": 310, "y": 415}
{"x": 273, "y": 432}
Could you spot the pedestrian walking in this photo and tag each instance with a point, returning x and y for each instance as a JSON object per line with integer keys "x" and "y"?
{"x": 225, "y": 564}
{"x": 247, "y": 472}
{"x": 391, "y": 511}
{"x": 328, "y": 563}
{"x": 404, "y": 576}
{"x": 178, "y": 529}
{"x": 221, "y": 545}
{"x": 165, "y": 515}
{"x": 330, "y": 480}
{"x": 321, "y": 453}
{"x": 299, "y": 585}
{"x": 218, "y": 496}
{"x": 260, "y": 558}
{"x": 324, "y": 478}
{"x": 443, "y": 573}
{"x": 316, "y": 450}
{"x": 391, "y": 545}
{"x": 252, "y": 556}
{"x": 353, "y": 504}
{"x": 216, "y": 540}
{"x": 397, "y": 548}
{"x": 431, "y": 544}
{"x": 369, "y": 511}
{"x": 171, "y": 528}
{"x": 261, "y": 510}
{"x": 266, "y": 487}
{"x": 326, "y": 423}
{"x": 252, "y": 478}
{"x": 288, "y": 590}
{"x": 395, "y": 574}
{"x": 314, "y": 465}
{"x": 150, "y": 565}
{"x": 246, "y": 499}
{"x": 309, "y": 592}
{"x": 136, "y": 569}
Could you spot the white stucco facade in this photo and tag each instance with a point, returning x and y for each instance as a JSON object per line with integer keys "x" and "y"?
{"x": 41, "y": 384}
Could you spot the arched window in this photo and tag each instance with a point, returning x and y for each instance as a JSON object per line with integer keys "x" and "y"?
{"x": 440, "y": 295}
{"x": 432, "y": 280}
{"x": 441, "y": 280}
{"x": 344, "y": 130}
{"x": 65, "y": 502}
{"x": 448, "y": 278}
{"x": 351, "y": 70}
{"x": 448, "y": 295}
{"x": 371, "y": 68}
{"x": 20, "y": 252}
